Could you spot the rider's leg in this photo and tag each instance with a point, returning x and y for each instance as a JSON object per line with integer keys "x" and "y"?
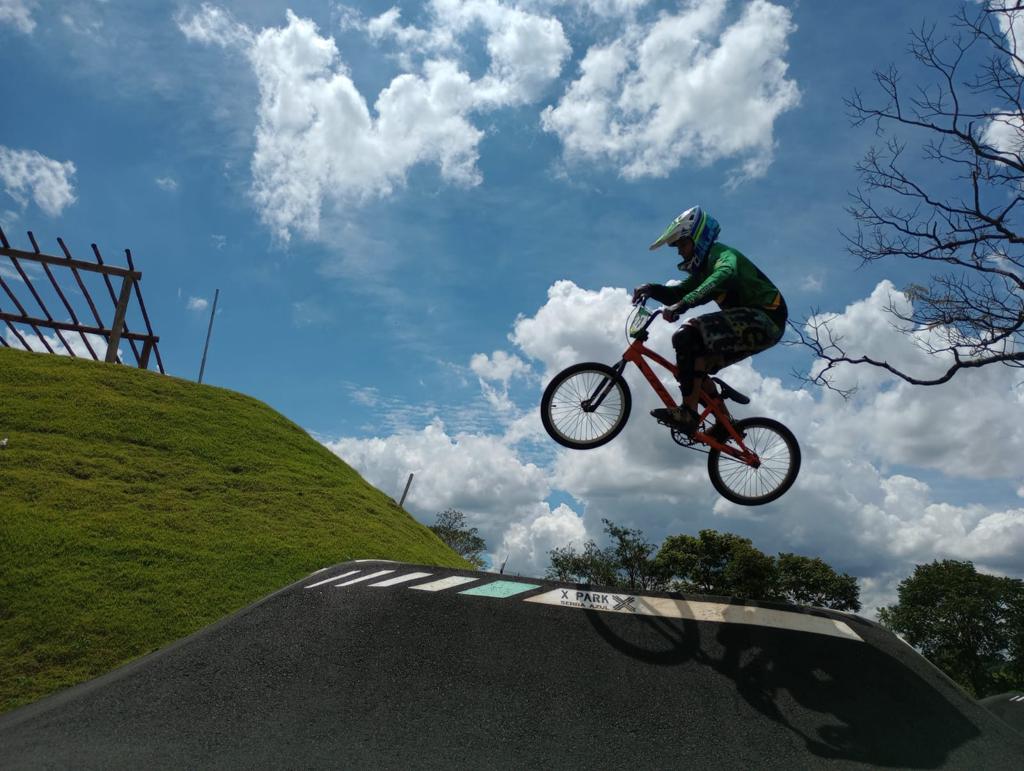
{"x": 699, "y": 383}
{"x": 688, "y": 346}
{"x": 686, "y": 341}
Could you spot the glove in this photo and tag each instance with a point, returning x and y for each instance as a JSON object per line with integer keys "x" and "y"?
{"x": 641, "y": 293}
{"x": 672, "y": 312}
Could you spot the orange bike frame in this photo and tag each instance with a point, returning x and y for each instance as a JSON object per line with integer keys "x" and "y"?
{"x": 711, "y": 404}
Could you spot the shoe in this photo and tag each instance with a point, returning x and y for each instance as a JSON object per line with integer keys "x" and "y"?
{"x": 683, "y": 419}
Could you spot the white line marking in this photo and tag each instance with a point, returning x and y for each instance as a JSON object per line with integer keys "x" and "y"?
{"x": 332, "y": 578}
{"x": 365, "y": 578}
{"x": 401, "y": 579}
{"x": 693, "y": 610}
{"x": 445, "y": 583}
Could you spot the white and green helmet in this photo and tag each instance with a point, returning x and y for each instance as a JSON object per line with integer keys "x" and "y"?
{"x": 689, "y": 223}
{"x": 698, "y": 225}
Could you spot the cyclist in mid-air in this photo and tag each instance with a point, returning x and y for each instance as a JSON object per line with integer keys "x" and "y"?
{"x": 752, "y": 316}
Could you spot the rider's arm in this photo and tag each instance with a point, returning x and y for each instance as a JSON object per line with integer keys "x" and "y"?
{"x": 669, "y": 295}
{"x": 724, "y": 271}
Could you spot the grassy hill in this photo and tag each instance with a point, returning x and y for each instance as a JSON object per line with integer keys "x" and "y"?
{"x": 137, "y": 508}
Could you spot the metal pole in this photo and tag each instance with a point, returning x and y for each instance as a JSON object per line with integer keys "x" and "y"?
{"x": 209, "y": 331}
{"x": 407, "y": 485}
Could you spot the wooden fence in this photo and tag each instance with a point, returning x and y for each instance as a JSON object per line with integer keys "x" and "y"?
{"x": 73, "y": 336}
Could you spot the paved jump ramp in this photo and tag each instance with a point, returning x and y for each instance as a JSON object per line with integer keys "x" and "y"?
{"x": 386, "y": 665}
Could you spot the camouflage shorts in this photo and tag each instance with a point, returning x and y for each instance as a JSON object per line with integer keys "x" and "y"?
{"x": 733, "y": 334}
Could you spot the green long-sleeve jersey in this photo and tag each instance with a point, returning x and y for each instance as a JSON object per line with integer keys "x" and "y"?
{"x": 731, "y": 280}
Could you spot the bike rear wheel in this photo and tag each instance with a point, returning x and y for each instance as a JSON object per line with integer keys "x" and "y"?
{"x": 568, "y": 409}
{"x": 779, "y": 452}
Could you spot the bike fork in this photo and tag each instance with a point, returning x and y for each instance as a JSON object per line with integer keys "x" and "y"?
{"x": 603, "y": 389}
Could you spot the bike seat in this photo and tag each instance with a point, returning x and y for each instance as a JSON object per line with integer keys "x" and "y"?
{"x": 728, "y": 392}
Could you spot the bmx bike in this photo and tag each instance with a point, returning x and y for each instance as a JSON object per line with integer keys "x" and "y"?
{"x": 751, "y": 461}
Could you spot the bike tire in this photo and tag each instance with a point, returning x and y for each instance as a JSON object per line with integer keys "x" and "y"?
{"x": 780, "y": 464}
{"x": 562, "y": 413}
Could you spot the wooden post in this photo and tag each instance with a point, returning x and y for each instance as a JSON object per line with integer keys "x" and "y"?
{"x": 118, "y": 326}
{"x": 146, "y": 348}
{"x": 407, "y": 484}
{"x": 209, "y": 331}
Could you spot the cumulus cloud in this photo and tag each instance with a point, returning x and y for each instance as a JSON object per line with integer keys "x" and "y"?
{"x": 687, "y": 88}
{"x": 19, "y": 14}
{"x": 197, "y": 304}
{"x": 479, "y": 475}
{"x": 317, "y": 140}
{"x": 27, "y": 174}
{"x": 494, "y": 373}
{"x": 167, "y": 183}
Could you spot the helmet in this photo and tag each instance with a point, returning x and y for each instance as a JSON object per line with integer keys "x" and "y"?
{"x": 698, "y": 225}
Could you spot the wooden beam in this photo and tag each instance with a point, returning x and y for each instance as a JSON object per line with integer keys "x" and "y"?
{"x": 110, "y": 270}
{"x": 63, "y": 325}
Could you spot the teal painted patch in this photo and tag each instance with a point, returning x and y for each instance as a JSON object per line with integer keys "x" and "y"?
{"x": 500, "y": 589}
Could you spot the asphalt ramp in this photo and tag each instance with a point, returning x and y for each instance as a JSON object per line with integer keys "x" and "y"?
{"x": 374, "y": 664}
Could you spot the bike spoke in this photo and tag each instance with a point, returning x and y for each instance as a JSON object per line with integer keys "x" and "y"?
{"x": 775, "y": 461}
{"x": 569, "y": 417}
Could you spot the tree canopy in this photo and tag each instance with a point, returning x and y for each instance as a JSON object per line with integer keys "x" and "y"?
{"x": 710, "y": 563}
{"x": 451, "y": 528}
{"x": 969, "y": 624}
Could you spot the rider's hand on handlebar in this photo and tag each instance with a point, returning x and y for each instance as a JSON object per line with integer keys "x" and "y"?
{"x": 672, "y": 312}
{"x": 641, "y": 293}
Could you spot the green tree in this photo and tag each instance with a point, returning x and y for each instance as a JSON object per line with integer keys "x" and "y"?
{"x": 627, "y": 563}
{"x": 730, "y": 565}
{"x": 451, "y": 528}
{"x": 812, "y": 581}
{"x": 593, "y": 565}
{"x": 718, "y": 563}
{"x": 967, "y": 623}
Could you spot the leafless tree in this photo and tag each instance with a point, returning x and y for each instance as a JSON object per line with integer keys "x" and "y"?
{"x": 953, "y": 201}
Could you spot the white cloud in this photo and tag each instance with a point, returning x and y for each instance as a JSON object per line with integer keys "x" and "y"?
{"x": 214, "y": 25}
{"x": 76, "y": 342}
{"x": 687, "y": 88}
{"x": 197, "y": 304}
{"x": 28, "y": 174}
{"x": 18, "y": 13}
{"x": 219, "y": 241}
{"x": 317, "y": 141}
{"x": 166, "y": 183}
{"x": 481, "y": 476}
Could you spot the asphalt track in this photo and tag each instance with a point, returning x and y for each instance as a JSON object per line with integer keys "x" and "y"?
{"x": 376, "y": 665}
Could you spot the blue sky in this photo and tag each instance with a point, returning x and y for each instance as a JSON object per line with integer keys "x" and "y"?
{"x": 389, "y": 265}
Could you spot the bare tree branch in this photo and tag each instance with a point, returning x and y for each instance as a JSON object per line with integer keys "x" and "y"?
{"x": 971, "y": 313}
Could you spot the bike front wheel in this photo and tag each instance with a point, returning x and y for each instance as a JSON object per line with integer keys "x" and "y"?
{"x": 779, "y": 456}
{"x": 585, "y": 405}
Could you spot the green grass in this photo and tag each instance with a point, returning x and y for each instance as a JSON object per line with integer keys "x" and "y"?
{"x": 137, "y": 508}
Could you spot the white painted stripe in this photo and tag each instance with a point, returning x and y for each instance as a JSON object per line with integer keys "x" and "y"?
{"x": 1017, "y": 698}
{"x": 332, "y": 578}
{"x": 693, "y": 610}
{"x": 321, "y": 570}
{"x": 365, "y": 578}
{"x": 445, "y": 583}
{"x": 401, "y": 579}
